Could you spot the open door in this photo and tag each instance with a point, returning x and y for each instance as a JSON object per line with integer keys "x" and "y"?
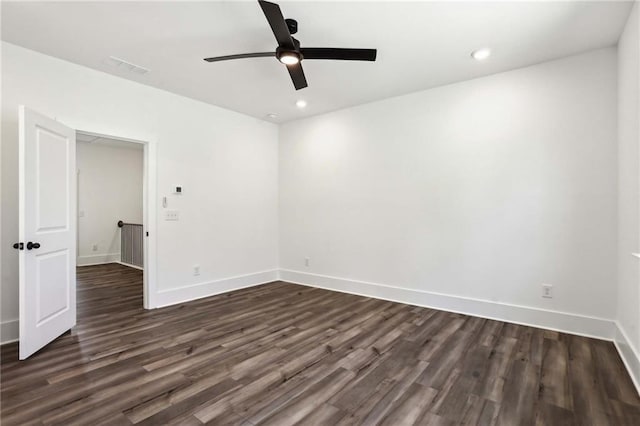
{"x": 47, "y": 244}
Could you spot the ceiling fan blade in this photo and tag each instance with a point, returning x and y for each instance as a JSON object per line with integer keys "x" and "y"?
{"x": 277, "y": 23}
{"x": 241, "y": 56}
{"x": 339, "y": 54}
{"x": 297, "y": 76}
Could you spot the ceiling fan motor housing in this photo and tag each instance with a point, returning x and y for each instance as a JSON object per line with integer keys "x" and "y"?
{"x": 292, "y": 24}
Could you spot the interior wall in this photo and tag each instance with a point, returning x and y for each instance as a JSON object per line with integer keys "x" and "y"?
{"x": 628, "y": 312}
{"x": 225, "y": 161}
{"x": 109, "y": 189}
{"x": 466, "y": 197}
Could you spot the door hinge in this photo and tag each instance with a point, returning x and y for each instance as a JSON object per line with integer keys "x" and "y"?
{"x": 147, "y": 233}
{"x": 18, "y": 246}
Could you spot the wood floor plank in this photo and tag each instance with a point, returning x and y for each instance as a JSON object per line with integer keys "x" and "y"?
{"x": 411, "y": 407}
{"x": 317, "y": 395}
{"x": 554, "y": 380}
{"x": 326, "y": 414}
{"x": 521, "y": 394}
{"x": 285, "y": 354}
{"x": 374, "y": 413}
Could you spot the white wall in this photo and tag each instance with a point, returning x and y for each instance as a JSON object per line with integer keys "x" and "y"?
{"x": 109, "y": 189}
{"x": 628, "y": 315}
{"x": 227, "y": 163}
{"x": 468, "y": 197}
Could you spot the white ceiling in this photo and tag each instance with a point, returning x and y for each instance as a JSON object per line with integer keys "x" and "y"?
{"x": 420, "y": 44}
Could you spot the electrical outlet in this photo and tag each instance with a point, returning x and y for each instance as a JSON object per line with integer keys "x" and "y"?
{"x": 196, "y": 270}
{"x": 547, "y": 291}
{"x": 307, "y": 261}
{"x": 95, "y": 247}
{"x": 171, "y": 215}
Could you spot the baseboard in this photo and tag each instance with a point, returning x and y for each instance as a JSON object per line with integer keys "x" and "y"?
{"x": 9, "y": 331}
{"x": 629, "y": 354}
{"x": 581, "y": 325}
{"x": 129, "y": 265}
{"x": 98, "y": 259}
{"x": 197, "y": 291}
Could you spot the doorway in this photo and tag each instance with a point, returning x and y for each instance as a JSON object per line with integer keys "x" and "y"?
{"x": 127, "y": 227}
{"x": 110, "y": 216}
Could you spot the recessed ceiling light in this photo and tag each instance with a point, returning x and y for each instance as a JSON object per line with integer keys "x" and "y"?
{"x": 301, "y": 103}
{"x": 481, "y": 54}
{"x": 272, "y": 115}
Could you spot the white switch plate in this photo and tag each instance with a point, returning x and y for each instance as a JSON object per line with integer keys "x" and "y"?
{"x": 196, "y": 270}
{"x": 547, "y": 291}
{"x": 171, "y": 215}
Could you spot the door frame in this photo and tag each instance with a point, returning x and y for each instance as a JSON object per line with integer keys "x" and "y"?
{"x": 149, "y": 214}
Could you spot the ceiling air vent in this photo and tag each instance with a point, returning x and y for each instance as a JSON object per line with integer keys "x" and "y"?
{"x": 127, "y": 66}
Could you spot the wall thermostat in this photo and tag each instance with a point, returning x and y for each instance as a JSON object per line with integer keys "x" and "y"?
{"x": 178, "y": 190}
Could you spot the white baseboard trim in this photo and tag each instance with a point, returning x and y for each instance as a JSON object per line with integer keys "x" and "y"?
{"x": 129, "y": 265}
{"x": 9, "y": 331}
{"x": 629, "y": 354}
{"x": 97, "y": 259}
{"x": 197, "y": 291}
{"x": 581, "y": 325}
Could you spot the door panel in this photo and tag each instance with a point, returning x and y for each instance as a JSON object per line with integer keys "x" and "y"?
{"x": 52, "y": 277}
{"x": 47, "y": 221}
{"x": 52, "y": 158}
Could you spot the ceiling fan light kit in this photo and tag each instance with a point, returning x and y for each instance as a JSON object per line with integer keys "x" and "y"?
{"x": 288, "y": 57}
{"x": 289, "y": 51}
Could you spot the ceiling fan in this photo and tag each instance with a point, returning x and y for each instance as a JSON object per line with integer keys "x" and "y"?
{"x": 289, "y": 51}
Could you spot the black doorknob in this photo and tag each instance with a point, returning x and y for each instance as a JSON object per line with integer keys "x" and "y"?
{"x": 18, "y": 246}
{"x": 31, "y": 245}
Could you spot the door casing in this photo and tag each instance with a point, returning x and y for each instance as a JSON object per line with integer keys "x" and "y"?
{"x": 149, "y": 211}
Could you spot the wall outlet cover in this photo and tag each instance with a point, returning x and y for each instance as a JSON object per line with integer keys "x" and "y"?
{"x": 171, "y": 215}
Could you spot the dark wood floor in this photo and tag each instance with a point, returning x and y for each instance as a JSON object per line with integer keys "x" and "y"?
{"x": 281, "y": 354}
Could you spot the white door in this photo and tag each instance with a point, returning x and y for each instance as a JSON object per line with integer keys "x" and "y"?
{"x": 47, "y": 230}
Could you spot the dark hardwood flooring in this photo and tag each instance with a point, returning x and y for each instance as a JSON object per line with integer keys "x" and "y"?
{"x": 281, "y": 354}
